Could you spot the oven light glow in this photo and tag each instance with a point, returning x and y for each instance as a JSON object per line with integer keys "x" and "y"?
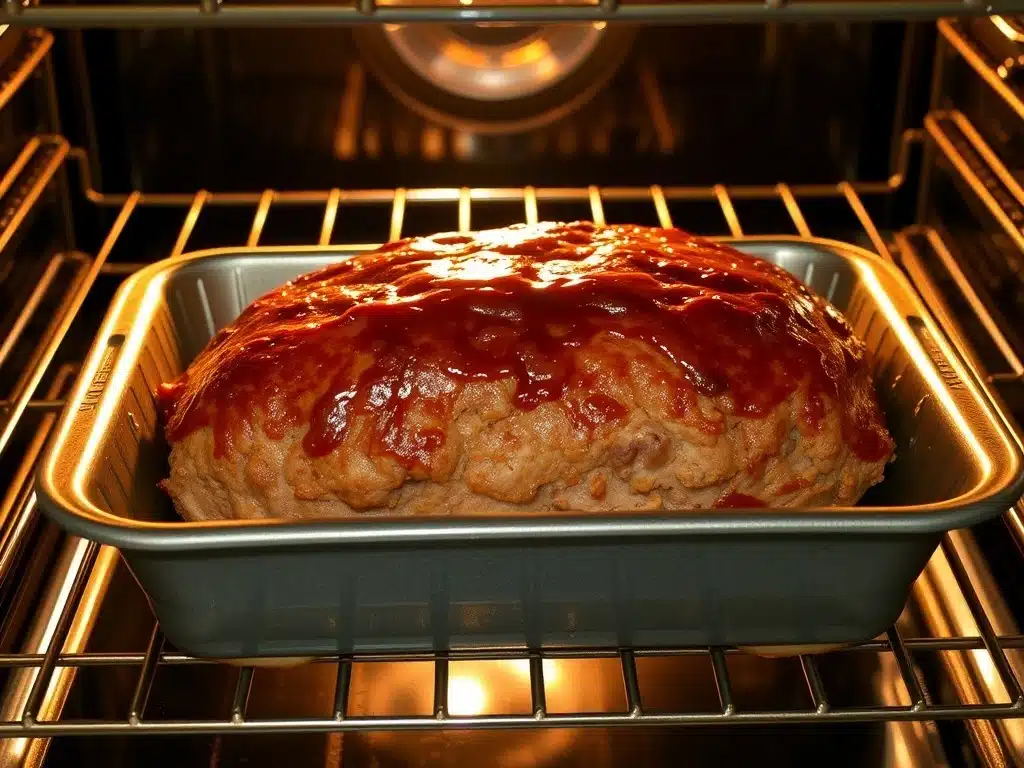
{"x": 466, "y": 696}
{"x": 551, "y": 667}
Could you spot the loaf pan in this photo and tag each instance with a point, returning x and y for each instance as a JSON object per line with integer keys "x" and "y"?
{"x": 759, "y": 577}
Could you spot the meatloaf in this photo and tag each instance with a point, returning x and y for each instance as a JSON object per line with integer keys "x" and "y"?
{"x": 531, "y": 368}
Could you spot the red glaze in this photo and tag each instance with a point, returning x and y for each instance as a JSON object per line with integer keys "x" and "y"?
{"x": 738, "y": 501}
{"x": 797, "y": 484}
{"x": 407, "y": 326}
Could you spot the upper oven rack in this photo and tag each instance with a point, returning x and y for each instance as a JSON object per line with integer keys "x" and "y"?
{"x": 211, "y": 13}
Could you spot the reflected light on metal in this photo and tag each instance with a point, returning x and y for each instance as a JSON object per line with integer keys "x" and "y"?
{"x": 552, "y": 670}
{"x": 493, "y": 70}
{"x": 973, "y": 674}
{"x": 1007, "y": 29}
{"x": 459, "y": 52}
{"x": 924, "y": 364}
{"x": 532, "y": 52}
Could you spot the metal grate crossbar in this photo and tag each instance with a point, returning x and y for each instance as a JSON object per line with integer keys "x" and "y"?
{"x": 222, "y": 13}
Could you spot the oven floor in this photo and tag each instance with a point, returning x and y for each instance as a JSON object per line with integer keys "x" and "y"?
{"x": 676, "y": 683}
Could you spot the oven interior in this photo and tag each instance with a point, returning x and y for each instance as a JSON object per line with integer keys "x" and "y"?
{"x": 141, "y": 138}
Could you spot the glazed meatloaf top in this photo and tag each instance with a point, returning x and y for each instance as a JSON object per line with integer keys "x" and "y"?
{"x": 536, "y": 367}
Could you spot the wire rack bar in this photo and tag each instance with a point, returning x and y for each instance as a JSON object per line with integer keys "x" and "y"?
{"x": 21, "y": 162}
{"x": 17, "y": 506}
{"x": 919, "y": 273}
{"x": 56, "y": 642}
{"x": 145, "y": 680}
{"x": 50, "y": 406}
{"x": 465, "y": 205}
{"x": 906, "y": 668}
{"x": 397, "y": 214}
{"x": 210, "y": 13}
{"x": 15, "y": 514}
{"x": 358, "y": 197}
{"x": 15, "y": 511}
{"x": 35, "y": 298}
{"x": 992, "y": 161}
{"x": 1015, "y": 522}
{"x": 634, "y": 704}
{"x": 596, "y": 205}
{"x": 722, "y": 683}
{"x": 865, "y": 219}
{"x": 661, "y": 206}
{"x": 793, "y": 209}
{"x": 189, "y": 224}
{"x": 528, "y": 195}
{"x": 950, "y": 30}
{"x": 971, "y": 677}
{"x": 530, "y": 205}
{"x": 50, "y": 154}
{"x": 171, "y": 658}
{"x": 285, "y": 198}
{"x": 945, "y": 129}
{"x": 1009, "y": 680}
{"x": 330, "y": 217}
{"x": 938, "y": 126}
{"x": 259, "y": 220}
{"x": 815, "y": 686}
{"x": 16, "y": 503}
{"x": 728, "y": 210}
{"x": 73, "y": 560}
{"x": 538, "y": 697}
{"x": 65, "y": 288}
{"x": 342, "y": 683}
{"x": 240, "y": 699}
{"x": 496, "y": 722}
{"x": 123, "y": 268}
{"x": 441, "y": 687}
{"x": 42, "y": 43}
{"x": 70, "y": 307}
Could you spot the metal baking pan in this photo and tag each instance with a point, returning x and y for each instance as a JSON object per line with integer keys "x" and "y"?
{"x": 740, "y": 577}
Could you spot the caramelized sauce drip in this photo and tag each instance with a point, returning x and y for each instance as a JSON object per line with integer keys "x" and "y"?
{"x": 404, "y": 328}
{"x": 794, "y": 485}
{"x": 738, "y": 501}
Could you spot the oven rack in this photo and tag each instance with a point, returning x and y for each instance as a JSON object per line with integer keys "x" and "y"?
{"x": 953, "y": 36}
{"x": 980, "y": 650}
{"x": 984, "y": 176}
{"x": 213, "y": 13}
{"x": 962, "y": 619}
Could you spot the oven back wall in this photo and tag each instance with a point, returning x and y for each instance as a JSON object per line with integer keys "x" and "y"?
{"x": 174, "y": 110}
